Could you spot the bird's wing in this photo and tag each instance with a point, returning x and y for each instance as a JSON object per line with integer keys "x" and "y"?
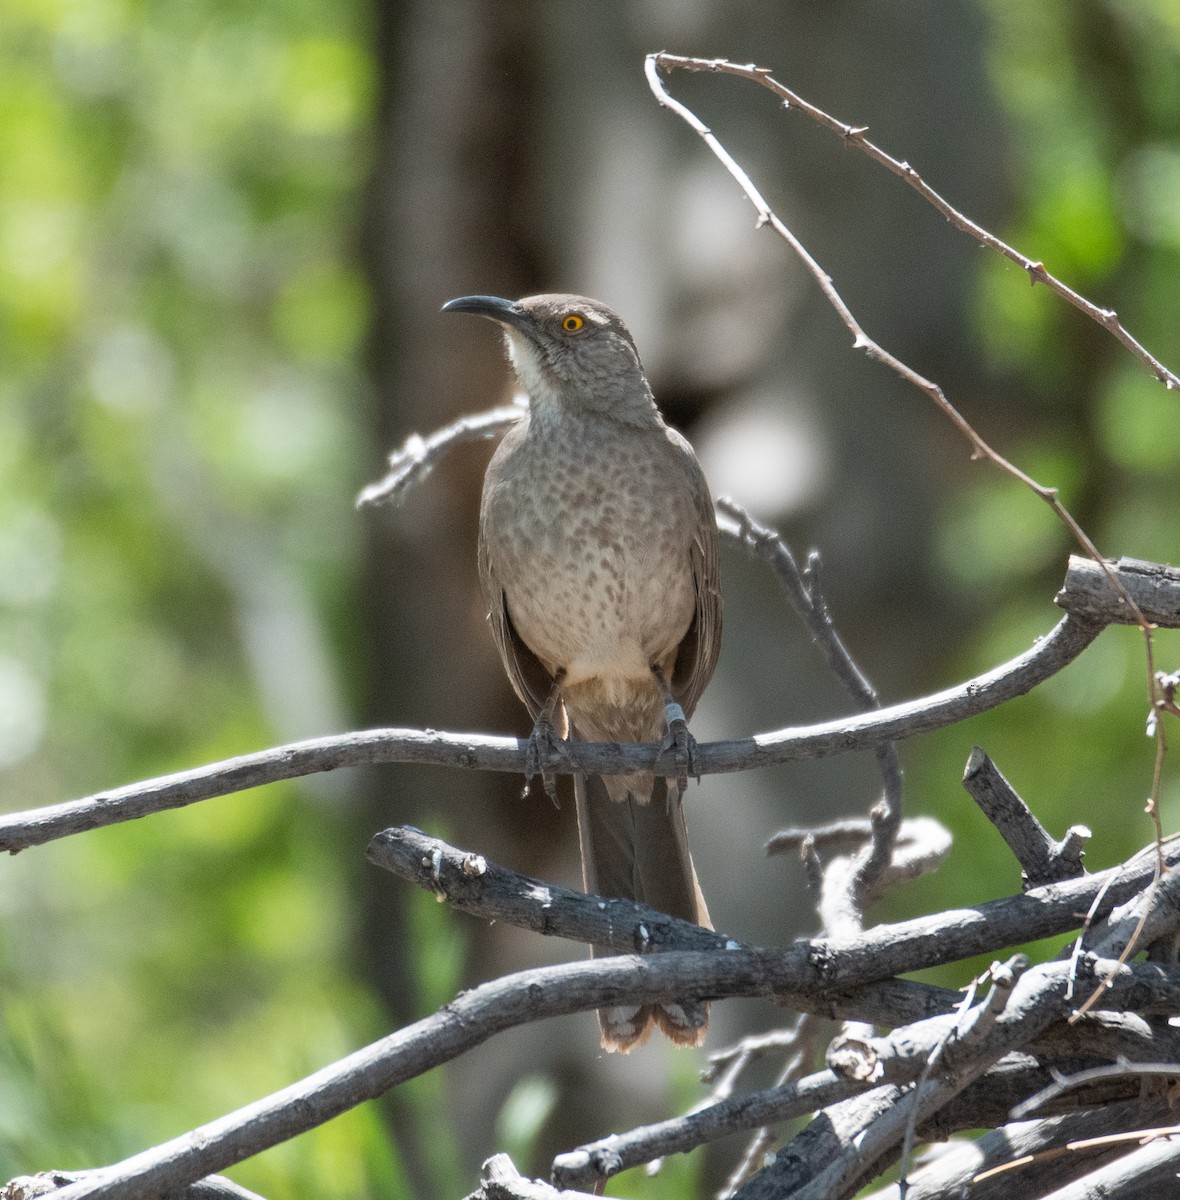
{"x": 697, "y": 655}
{"x": 528, "y": 676}
{"x": 529, "y": 679}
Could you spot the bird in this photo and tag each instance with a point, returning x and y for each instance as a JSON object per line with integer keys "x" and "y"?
{"x": 598, "y": 563}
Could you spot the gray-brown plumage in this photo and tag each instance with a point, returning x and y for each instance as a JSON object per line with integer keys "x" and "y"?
{"x": 598, "y": 560}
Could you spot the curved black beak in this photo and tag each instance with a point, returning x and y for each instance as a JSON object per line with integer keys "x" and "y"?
{"x": 493, "y": 307}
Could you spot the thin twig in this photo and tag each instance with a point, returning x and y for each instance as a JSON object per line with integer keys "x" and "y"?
{"x": 861, "y": 340}
{"x": 804, "y": 589}
{"x": 722, "y": 1063}
{"x": 418, "y": 455}
{"x": 854, "y": 136}
{"x": 1003, "y": 980}
{"x": 985, "y": 1101}
{"x": 1064, "y": 1083}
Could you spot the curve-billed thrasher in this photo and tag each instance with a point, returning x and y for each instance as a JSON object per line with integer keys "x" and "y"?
{"x": 598, "y": 559}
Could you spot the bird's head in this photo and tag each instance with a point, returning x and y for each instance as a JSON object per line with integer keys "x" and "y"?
{"x": 570, "y": 353}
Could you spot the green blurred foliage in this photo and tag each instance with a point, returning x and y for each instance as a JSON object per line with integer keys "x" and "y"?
{"x": 180, "y": 315}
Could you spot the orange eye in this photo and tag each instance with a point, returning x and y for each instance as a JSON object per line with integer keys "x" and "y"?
{"x": 572, "y": 323}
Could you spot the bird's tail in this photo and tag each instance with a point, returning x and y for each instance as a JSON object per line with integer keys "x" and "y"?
{"x": 639, "y": 851}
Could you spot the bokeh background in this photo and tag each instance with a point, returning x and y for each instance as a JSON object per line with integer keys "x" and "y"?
{"x": 225, "y": 231}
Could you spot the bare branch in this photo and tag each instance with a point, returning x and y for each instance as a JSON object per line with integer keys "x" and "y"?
{"x": 1066, "y": 1083}
{"x": 746, "y": 1050}
{"x": 590, "y": 1165}
{"x": 473, "y": 1017}
{"x": 1155, "y": 1163}
{"x": 1155, "y": 589}
{"x": 855, "y": 136}
{"x": 843, "y": 834}
{"x": 475, "y": 885}
{"x": 492, "y": 892}
{"x": 830, "y": 965}
{"x": 811, "y": 976}
{"x": 805, "y": 592}
{"x": 986, "y": 1101}
{"x": 832, "y": 1159}
{"x": 1062, "y": 645}
{"x": 419, "y": 455}
{"x": 980, "y": 448}
{"x": 500, "y": 1180}
{"x": 470, "y": 1019}
{"x": 993, "y": 1167}
{"x": 213, "y": 1187}
{"x": 1042, "y": 859}
{"x": 802, "y": 591}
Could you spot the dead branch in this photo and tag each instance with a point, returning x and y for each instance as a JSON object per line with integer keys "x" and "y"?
{"x": 1041, "y": 857}
{"x": 1154, "y": 1164}
{"x": 994, "y": 1166}
{"x": 984, "y": 1102}
{"x": 809, "y": 976}
{"x": 980, "y": 449}
{"x": 19, "y": 831}
{"x": 500, "y": 1180}
{"x": 829, "y": 964}
{"x": 833, "y": 1158}
{"x": 853, "y": 135}
{"x": 418, "y": 456}
{"x": 805, "y": 592}
{"x": 467, "y": 1021}
{"x": 1155, "y": 589}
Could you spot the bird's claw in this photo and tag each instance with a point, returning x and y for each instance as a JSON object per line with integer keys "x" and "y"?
{"x": 542, "y": 745}
{"x": 682, "y": 746}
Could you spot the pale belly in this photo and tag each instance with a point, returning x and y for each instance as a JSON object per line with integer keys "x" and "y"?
{"x": 595, "y": 563}
{"x": 608, "y": 612}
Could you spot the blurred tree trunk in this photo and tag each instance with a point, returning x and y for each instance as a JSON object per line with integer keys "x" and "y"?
{"x": 444, "y": 218}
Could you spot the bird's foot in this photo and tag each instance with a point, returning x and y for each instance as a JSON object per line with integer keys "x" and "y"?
{"x": 542, "y": 746}
{"x": 682, "y": 745}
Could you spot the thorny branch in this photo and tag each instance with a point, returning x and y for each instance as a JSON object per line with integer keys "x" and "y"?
{"x": 804, "y": 590}
{"x": 861, "y": 341}
{"x": 848, "y": 884}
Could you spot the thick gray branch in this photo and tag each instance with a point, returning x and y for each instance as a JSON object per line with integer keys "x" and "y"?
{"x": 1154, "y": 1165}
{"x": 473, "y": 884}
{"x": 466, "y": 1022}
{"x": 1153, "y": 587}
{"x": 30, "y": 1187}
{"x": 796, "y": 976}
{"x": 986, "y": 1101}
{"x": 831, "y": 965}
{"x": 500, "y": 1180}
